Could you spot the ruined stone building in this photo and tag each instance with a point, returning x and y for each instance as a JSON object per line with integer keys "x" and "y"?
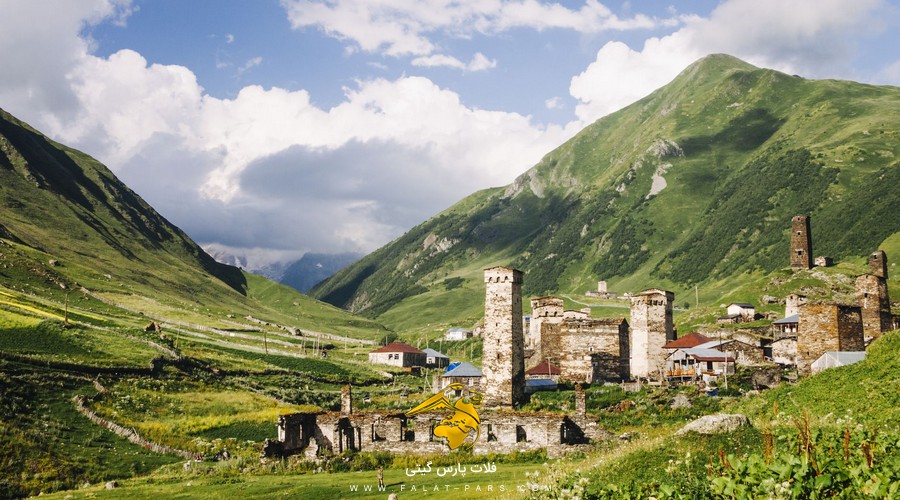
{"x": 652, "y": 326}
{"x": 314, "y": 434}
{"x": 585, "y": 349}
{"x": 503, "y": 351}
{"x": 801, "y": 243}
{"x": 827, "y": 327}
{"x": 544, "y": 310}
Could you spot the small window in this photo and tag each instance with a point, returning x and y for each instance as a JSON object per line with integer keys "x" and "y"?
{"x": 521, "y": 436}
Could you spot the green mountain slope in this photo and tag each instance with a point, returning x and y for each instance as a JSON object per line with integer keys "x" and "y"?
{"x": 695, "y": 183}
{"x": 69, "y": 226}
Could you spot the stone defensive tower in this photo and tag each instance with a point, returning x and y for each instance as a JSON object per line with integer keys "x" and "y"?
{"x": 878, "y": 264}
{"x": 801, "y": 243}
{"x": 651, "y": 327}
{"x": 875, "y": 303}
{"x": 543, "y": 310}
{"x": 503, "y": 354}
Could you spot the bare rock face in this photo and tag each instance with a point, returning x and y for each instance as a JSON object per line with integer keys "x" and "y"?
{"x": 716, "y": 424}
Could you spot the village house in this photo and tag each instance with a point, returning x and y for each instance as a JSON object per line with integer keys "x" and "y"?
{"x": 434, "y": 359}
{"x": 786, "y": 326}
{"x": 692, "y": 339}
{"x": 694, "y": 362}
{"x": 746, "y": 312}
{"x": 744, "y": 354}
{"x": 398, "y": 354}
{"x": 457, "y": 334}
{"x": 459, "y": 372}
{"x": 545, "y": 370}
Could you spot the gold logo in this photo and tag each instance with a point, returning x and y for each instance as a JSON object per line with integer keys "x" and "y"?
{"x": 460, "y": 425}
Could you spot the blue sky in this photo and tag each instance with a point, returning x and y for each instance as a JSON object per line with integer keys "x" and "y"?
{"x": 273, "y": 128}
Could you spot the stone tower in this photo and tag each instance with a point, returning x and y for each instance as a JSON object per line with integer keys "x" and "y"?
{"x": 503, "y": 354}
{"x": 543, "y": 310}
{"x": 651, "y": 328}
{"x": 872, "y": 297}
{"x": 878, "y": 264}
{"x": 801, "y": 243}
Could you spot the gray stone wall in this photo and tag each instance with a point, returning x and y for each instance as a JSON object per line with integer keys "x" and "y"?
{"x": 588, "y": 350}
{"x": 503, "y": 354}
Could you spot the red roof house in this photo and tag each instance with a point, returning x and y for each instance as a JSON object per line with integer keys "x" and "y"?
{"x": 689, "y": 340}
{"x": 398, "y": 354}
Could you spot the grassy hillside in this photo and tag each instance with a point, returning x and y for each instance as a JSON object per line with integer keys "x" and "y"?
{"x": 693, "y": 185}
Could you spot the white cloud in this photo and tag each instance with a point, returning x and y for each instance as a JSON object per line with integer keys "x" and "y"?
{"x": 266, "y": 168}
{"x": 554, "y": 103}
{"x": 404, "y": 27}
{"x": 812, "y": 37}
{"x": 250, "y": 64}
{"x": 479, "y": 62}
{"x": 229, "y": 38}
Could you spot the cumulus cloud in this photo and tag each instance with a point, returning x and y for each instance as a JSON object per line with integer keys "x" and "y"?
{"x": 479, "y": 62}
{"x": 266, "y": 169}
{"x": 406, "y": 27}
{"x": 812, "y": 37}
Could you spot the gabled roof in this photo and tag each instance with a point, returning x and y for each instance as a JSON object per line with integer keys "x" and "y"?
{"x": 689, "y": 340}
{"x": 702, "y": 354}
{"x": 544, "y": 368}
{"x": 705, "y": 354}
{"x": 461, "y": 369}
{"x": 793, "y": 318}
{"x": 742, "y": 304}
{"x": 399, "y": 347}
{"x": 432, "y": 353}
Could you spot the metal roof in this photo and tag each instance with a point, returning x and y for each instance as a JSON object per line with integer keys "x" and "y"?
{"x": 793, "y": 318}
{"x": 461, "y": 369}
{"x": 432, "y": 353}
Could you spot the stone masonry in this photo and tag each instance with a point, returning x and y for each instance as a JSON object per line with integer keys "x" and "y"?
{"x": 827, "y": 327}
{"x": 801, "y": 243}
{"x": 651, "y": 327}
{"x": 544, "y": 310}
{"x": 878, "y": 264}
{"x": 872, "y": 296}
{"x": 587, "y": 350}
{"x": 503, "y": 354}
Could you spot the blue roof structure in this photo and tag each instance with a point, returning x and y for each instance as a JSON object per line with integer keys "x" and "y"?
{"x": 461, "y": 369}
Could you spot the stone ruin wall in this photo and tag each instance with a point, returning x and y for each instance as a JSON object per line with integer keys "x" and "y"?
{"x": 501, "y": 432}
{"x": 503, "y": 358}
{"x": 827, "y": 327}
